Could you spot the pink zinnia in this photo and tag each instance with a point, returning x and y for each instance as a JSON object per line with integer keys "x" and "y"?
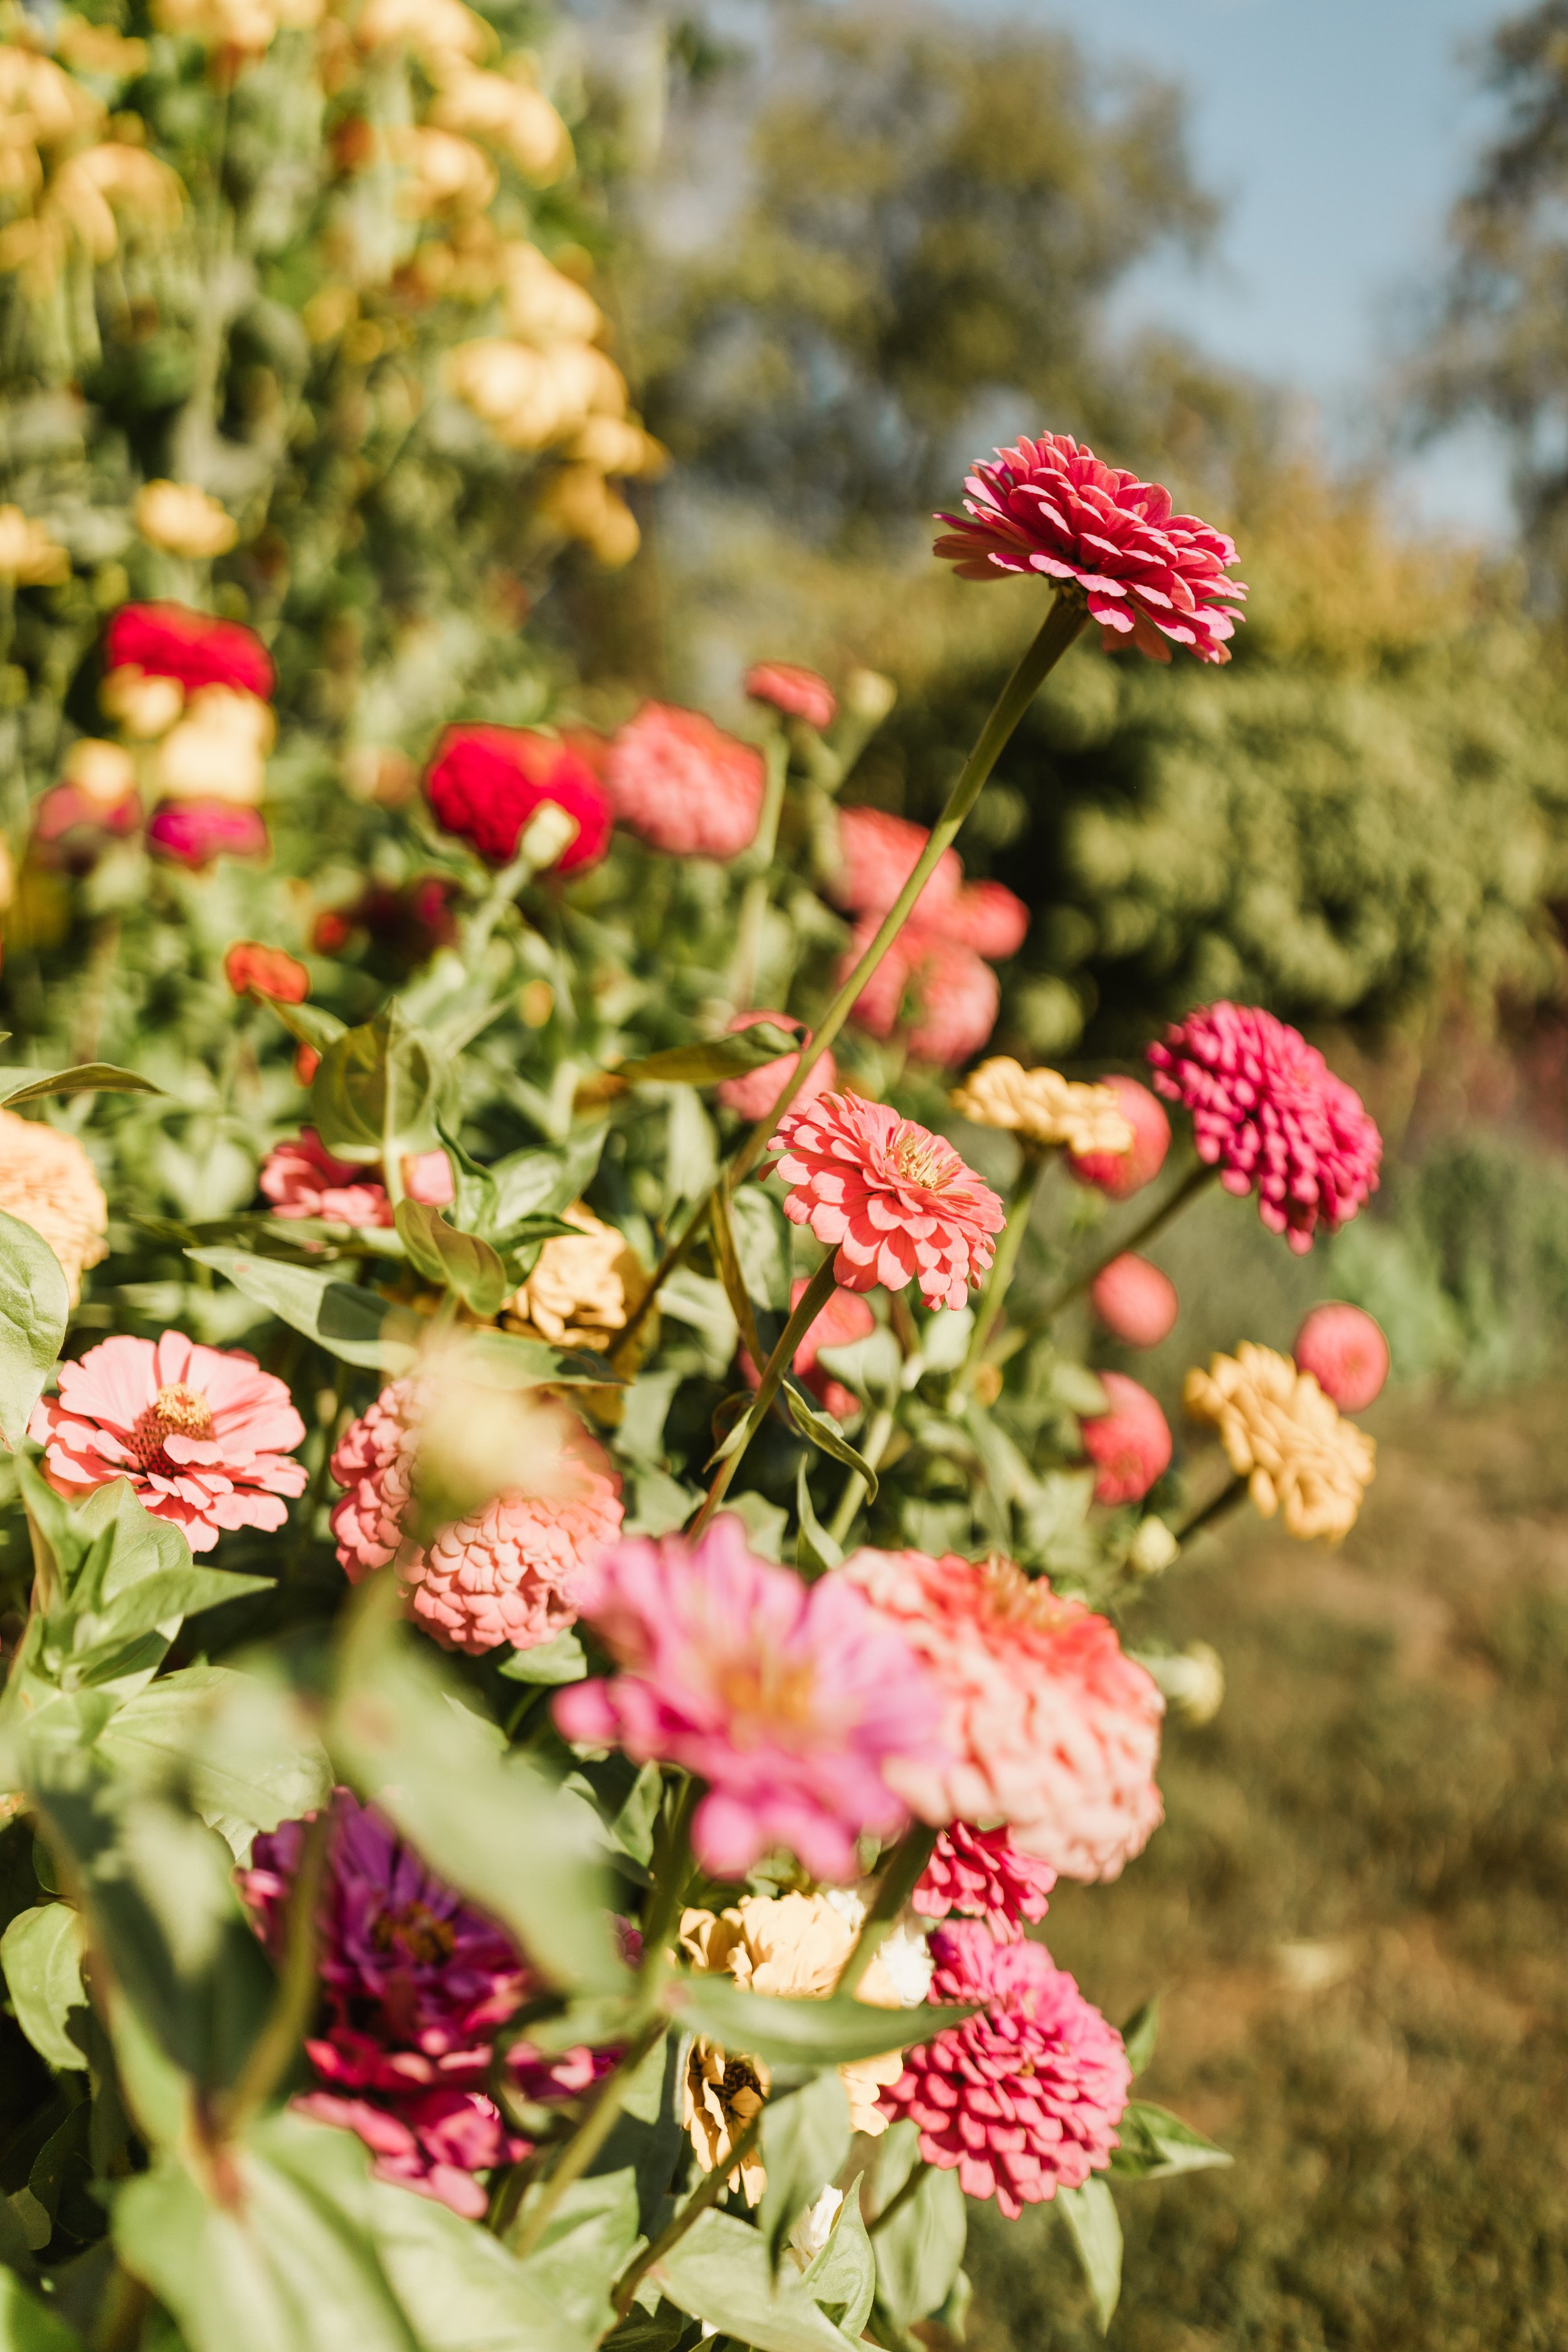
{"x": 1130, "y": 1446}
{"x": 754, "y": 1094}
{"x": 508, "y": 1573}
{"x": 203, "y": 1434}
{"x": 788, "y": 1700}
{"x": 798, "y": 693}
{"x": 485, "y": 785}
{"x": 683, "y": 784}
{"x": 1024, "y": 2098}
{"x": 1120, "y": 1174}
{"x": 1051, "y": 1729}
{"x": 988, "y": 917}
{"x": 1135, "y": 1301}
{"x": 301, "y": 1178}
{"x": 1146, "y": 573}
{"x": 981, "y": 1874}
{"x": 895, "y": 1201}
{"x": 959, "y": 997}
{"x": 1345, "y": 1352}
{"x": 1271, "y": 1116}
{"x": 195, "y": 832}
{"x": 172, "y": 641}
{"x": 844, "y": 1319}
{"x": 878, "y": 853}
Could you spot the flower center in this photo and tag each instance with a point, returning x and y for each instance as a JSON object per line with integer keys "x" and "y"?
{"x": 175, "y": 1412}
{"x": 761, "y": 1697}
{"x": 921, "y": 1160}
{"x": 415, "y": 1932}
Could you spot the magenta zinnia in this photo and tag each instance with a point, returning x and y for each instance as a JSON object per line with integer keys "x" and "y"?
{"x": 1271, "y": 1116}
{"x": 982, "y": 1875}
{"x": 895, "y": 1201}
{"x": 1148, "y": 575}
{"x": 788, "y": 1700}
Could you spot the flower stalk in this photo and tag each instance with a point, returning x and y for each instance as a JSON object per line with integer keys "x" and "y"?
{"x": 706, "y": 2193}
{"x": 993, "y": 1298}
{"x": 1195, "y": 1182}
{"x": 814, "y": 1299}
{"x": 906, "y": 1866}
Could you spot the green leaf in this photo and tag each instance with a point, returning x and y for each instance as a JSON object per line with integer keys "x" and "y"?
{"x": 1077, "y": 1387}
{"x": 41, "y": 1955}
{"x": 249, "y": 1759}
{"x": 695, "y": 1299}
{"x": 625, "y": 1798}
{"x": 1090, "y": 2215}
{"x": 502, "y": 1833}
{"x": 720, "y": 1057}
{"x": 1141, "y": 2033}
{"x": 729, "y": 1265}
{"x": 648, "y": 2134}
{"x": 762, "y": 1247}
{"x": 815, "y": 1551}
{"x": 788, "y": 2032}
{"x": 843, "y": 2277}
{"x": 871, "y": 1366}
{"x": 824, "y": 1433}
{"x": 586, "y": 2244}
{"x": 564, "y": 1660}
{"x": 28, "y": 2326}
{"x": 919, "y": 2251}
{"x": 1155, "y": 2145}
{"x": 461, "y": 1261}
{"x": 719, "y": 2273}
{"x": 312, "y": 1023}
{"x": 533, "y": 1183}
{"x": 805, "y": 2139}
{"x": 35, "y": 1305}
{"x": 373, "y": 1095}
{"x": 460, "y": 2289}
{"x": 503, "y": 1359}
{"x": 82, "y": 1078}
{"x": 348, "y": 1321}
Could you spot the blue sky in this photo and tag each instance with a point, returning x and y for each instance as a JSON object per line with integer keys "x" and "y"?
{"x": 1338, "y": 133}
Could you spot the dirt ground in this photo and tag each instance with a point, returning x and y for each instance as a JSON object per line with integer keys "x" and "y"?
{"x": 1356, "y": 1919}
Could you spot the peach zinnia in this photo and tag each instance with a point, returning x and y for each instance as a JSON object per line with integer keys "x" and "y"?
{"x": 203, "y": 1434}
{"x": 895, "y": 1201}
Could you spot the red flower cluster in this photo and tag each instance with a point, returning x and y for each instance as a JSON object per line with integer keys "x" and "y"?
{"x": 252, "y": 969}
{"x": 170, "y": 641}
{"x": 1147, "y": 574}
{"x": 487, "y": 783}
{"x": 1271, "y": 1116}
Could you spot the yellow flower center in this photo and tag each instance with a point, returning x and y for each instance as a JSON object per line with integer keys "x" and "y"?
{"x": 176, "y": 1411}
{"x": 920, "y": 1159}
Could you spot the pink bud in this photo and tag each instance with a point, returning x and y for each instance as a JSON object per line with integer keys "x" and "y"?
{"x": 1345, "y": 1352}
{"x": 1135, "y": 1300}
{"x": 1130, "y": 1445}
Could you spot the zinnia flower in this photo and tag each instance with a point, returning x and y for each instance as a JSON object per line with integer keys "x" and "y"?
{"x": 754, "y": 1093}
{"x": 1049, "y": 1727}
{"x": 685, "y": 786}
{"x": 896, "y": 1202}
{"x": 988, "y": 917}
{"x": 959, "y": 997}
{"x": 486, "y": 784}
{"x": 301, "y": 1178}
{"x": 253, "y": 970}
{"x": 1286, "y": 1438}
{"x": 877, "y": 855}
{"x": 798, "y": 693}
{"x": 1345, "y": 1352}
{"x": 29, "y": 556}
{"x": 789, "y": 1700}
{"x": 844, "y": 1319}
{"x": 1130, "y": 1445}
{"x": 1044, "y": 1108}
{"x": 48, "y": 1183}
{"x": 170, "y": 641}
{"x": 195, "y": 832}
{"x": 1025, "y": 2098}
{"x": 982, "y": 1875}
{"x": 1270, "y": 1115}
{"x": 218, "y": 753}
{"x": 201, "y": 1434}
{"x": 1120, "y": 1174}
{"x": 183, "y": 520}
{"x": 937, "y": 956}
{"x": 582, "y": 1287}
{"x": 1146, "y": 573}
{"x": 1135, "y": 1301}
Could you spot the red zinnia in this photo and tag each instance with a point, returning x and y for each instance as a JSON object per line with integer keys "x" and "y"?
{"x": 485, "y": 785}
{"x": 1146, "y": 573}
{"x": 170, "y": 641}
{"x": 1130, "y": 1445}
{"x": 1270, "y": 1115}
{"x": 798, "y": 693}
{"x": 253, "y": 970}
{"x": 683, "y": 785}
{"x": 1134, "y": 1300}
{"x": 195, "y": 832}
{"x": 1122, "y": 1173}
{"x": 1345, "y": 1352}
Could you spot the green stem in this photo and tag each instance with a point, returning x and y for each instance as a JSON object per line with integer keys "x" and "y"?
{"x": 1207, "y": 1515}
{"x": 706, "y": 2193}
{"x": 754, "y": 905}
{"x": 814, "y": 1299}
{"x": 494, "y": 904}
{"x": 672, "y": 1869}
{"x": 989, "y": 1306}
{"x": 587, "y": 2139}
{"x": 1191, "y": 1185}
{"x": 272, "y": 2052}
{"x": 121, "y": 2313}
{"x": 871, "y": 1454}
{"x": 902, "y": 1875}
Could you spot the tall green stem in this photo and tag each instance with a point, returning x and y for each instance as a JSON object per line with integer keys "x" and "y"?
{"x": 814, "y": 1299}
{"x": 706, "y": 2192}
{"x": 586, "y": 2141}
{"x": 1207, "y": 1515}
{"x": 993, "y": 1298}
{"x": 871, "y": 1454}
{"x": 1192, "y": 1184}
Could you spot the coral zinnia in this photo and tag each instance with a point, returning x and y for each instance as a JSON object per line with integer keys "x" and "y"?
{"x": 988, "y": 917}
{"x": 486, "y": 784}
{"x": 844, "y": 1319}
{"x": 203, "y": 1434}
{"x": 789, "y": 1700}
{"x": 48, "y": 1183}
{"x": 1134, "y": 1300}
{"x": 754, "y": 1093}
{"x": 1147, "y": 574}
{"x": 301, "y": 1178}
{"x": 253, "y": 970}
{"x": 1050, "y": 1728}
{"x": 1270, "y": 1115}
{"x": 958, "y": 998}
{"x": 1129, "y": 1443}
{"x": 1120, "y": 1174}
{"x": 683, "y": 784}
{"x": 170, "y": 641}
{"x": 878, "y": 853}
{"x": 982, "y": 1875}
{"x": 1286, "y": 1438}
{"x": 798, "y": 693}
{"x": 895, "y": 1201}
{"x": 1343, "y": 1350}
{"x": 1024, "y": 2098}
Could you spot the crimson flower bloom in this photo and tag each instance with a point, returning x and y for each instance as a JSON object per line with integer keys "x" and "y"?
{"x": 170, "y": 641}
{"x": 844, "y": 1319}
{"x": 203, "y": 1434}
{"x": 487, "y": 783}
{"x": 683, "y": 785}
{"x": 1271, "y": 1116}
{"x": 1130, "y": 1446}
{"x": 787, "y": 1699}
{"x": 895, "y": 1201}
{"x": 798, "y": 693}
{"x": 195, "y": 832}
{"x": 1120, "y": 1174}
{"x": 1023, "y": 2098}
{"x": 982, "y": 1875}
{"x": 256, "y": 971}
{"x": 1146, "y": 573}
{"x": 1134, "y": 1300}
{"x": 754, "y": 1093}
{"x": 1345, "y": 1352}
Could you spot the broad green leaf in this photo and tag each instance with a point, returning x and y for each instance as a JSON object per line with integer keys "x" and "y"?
{"x": 1141, "y": 2033}
{"x": 247, "y": 1758}
{"x": 41, "y": 1955}
{"x": 730, "y": 1275}
{"x": 944, "y": 1337}
{"x": 696, "y": 1300}
{"x": 815, "y": 1551}
{"x": 626, "y": 1800}
{"x": 762, "y": 1247}
{"x": 1075, "y": 1386}
{"x": 824, "y": 1433}
{"x": 473, "y": 1186}
{"x": 805, "y": 2139}
{"x": 766, "y": 1523}
{"x": 458, "y": 2287}
{"x": 460, "y": 1262}
{"x": 312, "y": 1023}
{"x": 871, "y": 1366}
{"x": 843, "y": 2277}
{"x": 1090, "y": 2216}
{"x": 1156, "y": 2144}
{"x": 719, "y": 2273}
{"x": 28, "y": 2326}
{"x": 648, "y": 2134}
{"x": 919, "y": 2251}
{"x": 722, "y": 1057}
{"x": 373, "y": 1095}
{"x": 789, "y": 2032}
{"x": 35, "y": 1304}
{"x": 559, "y": 1661}
{"x": 531, "y": 1183}
{"x": 586, "y": 2244}
{"x": 348, "y": 1321}
{"x": 83, "y": 1078}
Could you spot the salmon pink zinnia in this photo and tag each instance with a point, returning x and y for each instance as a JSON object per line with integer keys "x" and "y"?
{"x": 683, "y": 784}
{"x": 791, "y": 1701}
{"x": 1148, "y": 575}
{"x": 203, "y": 1434}
{"x": 1129, "y": 1442}
{"x": 798, "y": 693}
{"x": 895, "y": 1201}
{"x": 1345, "y": 1352}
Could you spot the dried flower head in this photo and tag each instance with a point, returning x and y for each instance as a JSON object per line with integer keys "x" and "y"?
{"x": 181, "y": 518}
{"x": 48, "y": 1183}
{"x": 583, "y": 1287}
{"x": 1043, "y": 1108}
{"x": 1286, "y": 1438}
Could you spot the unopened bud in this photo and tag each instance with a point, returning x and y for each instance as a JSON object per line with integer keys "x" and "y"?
{"x": 548, "y": 836}
{"x": 869, "y": 696}
{"x": 1152, "y": 1548}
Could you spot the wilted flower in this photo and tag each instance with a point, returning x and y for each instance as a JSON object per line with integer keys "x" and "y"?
{"x": 29, "y": 556}
{"x": 218, "y": 751}
{"x": 203, "y": 1434}
{"x": 1146, "y": 573}
{"x": 256, "y": 971}
{"x": 1120, "y": 1174}
{"x": 195, "y": 832}
{"x": 982, "y": 1875}
{"x": 789, "y": 1700}
{"x": 1345, "y": 1352}
{"x": 683, "y": 785}
{"x": 170, "y": 641}
{"x": 488, "y": 785}
{"x": 182, "y": 520}
{"x": 798, "y": 693}
{"x": 1043, "y": 1106}
{"x": 583, "y": 1287}
{"x": 844, "y": 1319}
{"x": 1049, "y": 1727}
{"x": 1129, "y": 1443}
{"x": 48, "y": 1183}
{"x": 754, "y": 1093}
{"x": 1022, "y": 2099}
{"x": 896, "y": 1202}
{"x": 1271, "y": 1116}
{"x": 1286, "y": 1438}
{"x": 408, "y": 923}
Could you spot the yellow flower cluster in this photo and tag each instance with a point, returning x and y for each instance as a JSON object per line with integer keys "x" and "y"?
{"x": 1044, "y": 1108}
{"x": 244, "y": 28}
{"x": 69, "y": 189}
{"x": 182, "y": 520}
{"x": 1297, "y": 1454}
